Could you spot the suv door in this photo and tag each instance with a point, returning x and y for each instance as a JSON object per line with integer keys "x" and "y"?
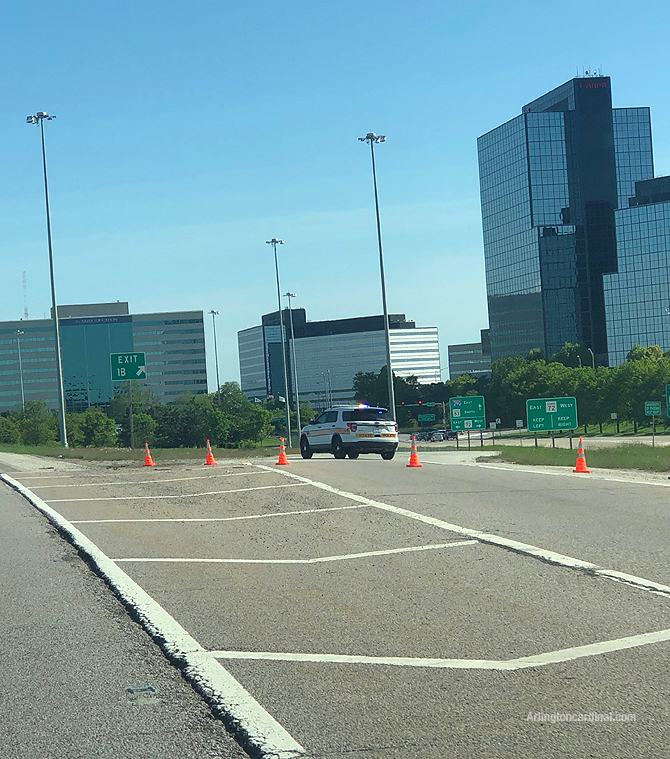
{"x": 320, "y": 436}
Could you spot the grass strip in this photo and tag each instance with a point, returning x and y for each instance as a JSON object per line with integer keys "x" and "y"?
{"x": 126, "y": 454}
{"x": 630, "y": 456}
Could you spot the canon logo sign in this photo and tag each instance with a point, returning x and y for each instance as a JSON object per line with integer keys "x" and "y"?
{"x": 593, "y": 85}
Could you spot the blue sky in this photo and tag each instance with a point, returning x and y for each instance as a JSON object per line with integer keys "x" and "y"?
{"x": 189, "y": 134}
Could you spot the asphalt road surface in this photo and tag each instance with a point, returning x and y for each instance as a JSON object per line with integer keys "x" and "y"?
{"x": 366, "y": 609}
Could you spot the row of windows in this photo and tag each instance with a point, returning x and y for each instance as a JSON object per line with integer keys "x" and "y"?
{"x": 164, "y": 322}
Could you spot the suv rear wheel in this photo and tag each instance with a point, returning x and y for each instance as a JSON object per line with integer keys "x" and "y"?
{"x": 388, "y": 455}
{"x": 353, "y": 454}
{"x": 305, "y": 451}
{"x": 337, "y": 448}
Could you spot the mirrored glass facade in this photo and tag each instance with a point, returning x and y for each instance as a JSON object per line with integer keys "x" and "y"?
{"x": 638, "y": 297}
{"x": 551, "y": 180}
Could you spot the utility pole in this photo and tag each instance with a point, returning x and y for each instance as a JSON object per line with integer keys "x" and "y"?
{"x": 371, "y": 138}
{"x": 40, "y": 118}
{"x": 295, "y": 364}
{"x": 20, "y": 332}
{"x": 216, "y": 357}
{"x": 274, "y": 242}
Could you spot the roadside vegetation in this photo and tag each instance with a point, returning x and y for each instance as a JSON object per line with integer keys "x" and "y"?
{"x": 234, "y": 422}
{"x": 600, "y": 392}
{"x": 630, "y": 456}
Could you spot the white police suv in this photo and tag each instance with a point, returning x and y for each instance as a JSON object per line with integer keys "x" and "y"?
{"x": 350, "y": 431}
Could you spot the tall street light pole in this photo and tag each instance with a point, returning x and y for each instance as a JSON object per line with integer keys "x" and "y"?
{"x": 295, "y": 365}
{"x": 40, "y": 118}
{"x": 216, "y": 356}
{"x": 371, "y": 138}
{"x": 20, "y": 332}
{"x": 593, "y": 358}
{"x": 274, "y": 242}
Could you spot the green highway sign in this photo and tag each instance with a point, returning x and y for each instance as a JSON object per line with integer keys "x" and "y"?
{"x": 128, "y": 366}
{"x": 550, "y": 414}
{"x": 652, "y": 408}
{"x": 426, "y": 417}
{"x": 468, "y": 413}
{"x": 430, "y": 403}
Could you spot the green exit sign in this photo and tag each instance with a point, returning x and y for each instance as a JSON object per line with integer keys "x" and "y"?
{"x": 128, "y": 366}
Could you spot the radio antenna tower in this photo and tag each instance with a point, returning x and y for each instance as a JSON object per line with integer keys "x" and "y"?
{"x": 25, "y": 297}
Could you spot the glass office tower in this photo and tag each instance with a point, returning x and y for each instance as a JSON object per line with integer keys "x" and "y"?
{"x": 637, "y": 298}
{"x": 550, "y": 181}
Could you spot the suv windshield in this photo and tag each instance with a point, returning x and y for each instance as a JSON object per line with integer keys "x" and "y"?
{"x": 367, "y": 415}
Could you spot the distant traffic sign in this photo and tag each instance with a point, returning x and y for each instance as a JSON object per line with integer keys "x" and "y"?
{"x": 426, "y": 417}
{"x": 430, "y": 403}
{"x": 128, "y": 366}
{"x": 468, "y": 413}
{"x": 652, "y": 408}
{"x": 667, "y": 399}
{"x": 519, "y": 423}
{"x": 549, "y": 414}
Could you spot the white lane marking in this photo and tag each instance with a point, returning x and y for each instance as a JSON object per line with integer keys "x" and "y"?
{"x": 149, "y": 482}
{"x": 320, "y": 560}
{"x": 222, "y": 519}
{"x": 514, "y": 468}
{"x": 164, "y": 497}
{"x": 485, "y": 537}
{"x": 523, "y": 662}
{"x": 247, "y": 718}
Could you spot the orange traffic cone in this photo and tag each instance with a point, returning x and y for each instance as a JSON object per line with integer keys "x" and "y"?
{"x": 210, "y": 460}
{"x": 148, "y": 461}
{"x": 581, "y": 460}
{"x": 283, "y": 461}
{"x": 414, "y": 456}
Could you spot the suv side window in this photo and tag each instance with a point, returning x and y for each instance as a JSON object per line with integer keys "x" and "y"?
{"x": 330, "y": 417}
{"x": 322, "y": 419}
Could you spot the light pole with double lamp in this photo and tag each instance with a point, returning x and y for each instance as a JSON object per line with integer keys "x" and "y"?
{"x": 216, "y": 356}
{"x": 40, "y": 118}
{"x": 20, "y": 332}
{"x": 372, "y": 139}
{"x": 274, "y": 242}
{"x": 295, "y": 365}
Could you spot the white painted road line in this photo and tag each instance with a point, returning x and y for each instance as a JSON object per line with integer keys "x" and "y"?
{"x": 168, "y": 497}
{"x": 595, "y": 475}
{"x": 484, "y": 537}
{"x": 223, "y": 519}
{"x": 320, "y": 560}
{"x": 149, "y": 482}
{"x": 250, "y": 722}
{"x": 524, "y": 662}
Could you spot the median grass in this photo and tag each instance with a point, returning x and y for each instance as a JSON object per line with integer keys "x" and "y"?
{"x": 630, "y": 456}
{"x": 127, "y": 454}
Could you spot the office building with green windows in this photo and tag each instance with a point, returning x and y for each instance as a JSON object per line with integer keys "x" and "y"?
{"x": 174, "y": 344}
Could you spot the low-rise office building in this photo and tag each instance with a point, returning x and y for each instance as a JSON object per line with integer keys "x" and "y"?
{"x": 328, "y": 354}
{"x": 471, "y": 358}
{"x": 174, "y": 343}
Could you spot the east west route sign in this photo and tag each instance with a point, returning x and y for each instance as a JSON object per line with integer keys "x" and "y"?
{"x": 128, "y": 366}
{"x": 551, "y": 414}
{"x": 467, "y": 413}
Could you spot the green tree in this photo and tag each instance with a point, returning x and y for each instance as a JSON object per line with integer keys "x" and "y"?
{"x": 9, "y": 430}
{"x": 36, "y": 424}
{"x": 247, "y": 422}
